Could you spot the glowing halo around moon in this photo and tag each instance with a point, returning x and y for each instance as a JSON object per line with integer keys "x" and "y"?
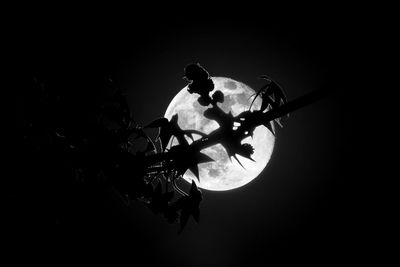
{"x": 224, "y": 173}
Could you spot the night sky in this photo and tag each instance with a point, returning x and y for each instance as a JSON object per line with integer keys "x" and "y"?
{"x": 304, "y": 206}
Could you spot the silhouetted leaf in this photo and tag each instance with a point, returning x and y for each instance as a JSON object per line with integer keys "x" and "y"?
{"x": 171, "y": 214}
{"x": 159, "y": 201}
{"x": 270, "y": 126}
{"x": 203, "y": 158}
{"x": 195, "y": 170}
{"x": 184, "y": 157}
{"x": 150, "y": 146}
{"x": 160, "y": 122}
{"x": 190, "y": 205}
{"x": 196, "y": 214}
{"x": 183, "y": 219}
{"x": 246, "y": 150}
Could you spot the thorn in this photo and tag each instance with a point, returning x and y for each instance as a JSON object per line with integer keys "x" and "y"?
{"x": 239, "y": 161}
{"x": 195, "y": 170}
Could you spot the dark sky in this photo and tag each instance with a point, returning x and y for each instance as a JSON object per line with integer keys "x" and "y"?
{"x": 304, "y": 205}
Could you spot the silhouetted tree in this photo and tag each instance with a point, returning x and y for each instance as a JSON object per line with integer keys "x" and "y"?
{"x": 105, "y": 149}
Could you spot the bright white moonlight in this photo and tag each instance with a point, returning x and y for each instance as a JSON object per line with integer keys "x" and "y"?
{"x": 223, "y": 173}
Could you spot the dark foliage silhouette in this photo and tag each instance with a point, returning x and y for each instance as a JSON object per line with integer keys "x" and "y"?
{"x": 103, "y": 148}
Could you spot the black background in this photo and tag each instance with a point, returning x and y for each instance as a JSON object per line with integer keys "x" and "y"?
{"x": 308, "y": 204}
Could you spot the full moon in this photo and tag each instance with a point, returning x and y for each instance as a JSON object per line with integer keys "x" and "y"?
{"x": 223, "y": 173}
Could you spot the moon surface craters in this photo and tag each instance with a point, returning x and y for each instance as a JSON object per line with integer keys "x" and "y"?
{"x": 230, "y": 85}
{"x": 223, "y": 173}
